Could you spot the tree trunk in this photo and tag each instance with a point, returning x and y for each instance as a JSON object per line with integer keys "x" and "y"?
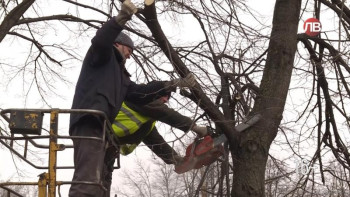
{"x": 250, "y": 158}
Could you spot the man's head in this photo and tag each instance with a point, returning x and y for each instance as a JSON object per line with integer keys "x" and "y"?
{"x": 165, "y": 99}
{"x": 124, "y": 44}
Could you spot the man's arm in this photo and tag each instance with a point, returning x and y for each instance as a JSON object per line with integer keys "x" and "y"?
{"x": 145, "y": 93}
{"x": 161, "y": 112}
{"x": 157, "y": 110}
{"x": 102, "y": 43}
{"x": 157, "y": 144}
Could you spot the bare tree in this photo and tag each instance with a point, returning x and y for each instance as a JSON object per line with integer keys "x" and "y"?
{"x": 242, "y": 70}
{"x": 18, "y": 191}
{"x": 150, "y": 182}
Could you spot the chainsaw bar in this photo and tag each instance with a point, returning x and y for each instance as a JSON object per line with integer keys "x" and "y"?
{"x": 204, "y": 152}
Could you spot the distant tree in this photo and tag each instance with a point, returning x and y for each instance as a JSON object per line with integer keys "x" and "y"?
{"x": 150, "y": 182}
{"x": 18, "y": 191}
{"x": 161, "y": 180}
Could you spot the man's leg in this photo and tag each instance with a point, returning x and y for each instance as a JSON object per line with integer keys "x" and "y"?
{"x": 88, "y": 159}
{"x": 108, "y": 168}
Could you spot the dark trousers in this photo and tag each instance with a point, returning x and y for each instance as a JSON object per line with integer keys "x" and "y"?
{"x": 93, "y": 161}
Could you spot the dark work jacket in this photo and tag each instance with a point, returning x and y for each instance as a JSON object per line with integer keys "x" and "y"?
{"x": 104, "y": 83}
{"x": 157, "y": 111}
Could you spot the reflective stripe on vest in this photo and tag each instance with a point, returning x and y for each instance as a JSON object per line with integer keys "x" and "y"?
{"x": 128, "y": 121}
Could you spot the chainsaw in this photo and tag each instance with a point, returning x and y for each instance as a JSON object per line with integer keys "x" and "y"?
{"x": 205, "y": 151}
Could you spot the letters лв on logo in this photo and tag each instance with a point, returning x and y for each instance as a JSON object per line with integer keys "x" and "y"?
{"x": 312, "y": 27}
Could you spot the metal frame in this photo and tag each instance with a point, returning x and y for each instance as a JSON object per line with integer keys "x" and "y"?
{"x": 47, "y": 181}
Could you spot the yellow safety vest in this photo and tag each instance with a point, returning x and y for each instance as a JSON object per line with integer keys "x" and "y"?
{"x": 127, "y": 122}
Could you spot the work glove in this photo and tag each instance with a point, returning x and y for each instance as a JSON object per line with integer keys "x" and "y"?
{"x": 200, "y": 131}
{"x": 189, "y": 81}
{"x": 126, "y": 12}
{"x": 178, "y": 160}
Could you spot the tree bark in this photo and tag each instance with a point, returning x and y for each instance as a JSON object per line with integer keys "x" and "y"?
{"x": 11, "y": 19}
{"x": 250, "y": 159}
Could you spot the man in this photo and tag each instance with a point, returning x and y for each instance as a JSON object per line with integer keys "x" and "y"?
{"x": 135, "y": 123}
{"x": 103, "y": 84}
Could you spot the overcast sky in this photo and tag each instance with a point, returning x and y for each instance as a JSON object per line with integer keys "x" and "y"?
{"x": 12, "y": 96}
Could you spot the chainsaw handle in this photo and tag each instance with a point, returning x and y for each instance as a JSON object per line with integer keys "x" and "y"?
{"x": 210, "y": 131}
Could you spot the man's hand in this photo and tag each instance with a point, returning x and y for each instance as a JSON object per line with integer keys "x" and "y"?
{"x": 126, "y": 12}
{"x": 178, "y": 160}
{"x": 200, "y": 131}
{"x": 129, "y": 7}
{"x": 189, "y": 81}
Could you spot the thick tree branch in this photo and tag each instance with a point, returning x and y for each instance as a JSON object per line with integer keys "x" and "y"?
{"x": 11, "y": 19}
{"x": 206, "y": 104}
{"x": 63, "y": 17}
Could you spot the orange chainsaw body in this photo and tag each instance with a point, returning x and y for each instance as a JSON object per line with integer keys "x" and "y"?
{"x": 199, "y": 154}
{"x": 205, "y": 151}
